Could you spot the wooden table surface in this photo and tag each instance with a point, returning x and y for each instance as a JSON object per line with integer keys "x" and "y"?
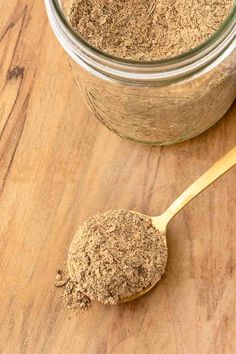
{"x": 58, "y": 166}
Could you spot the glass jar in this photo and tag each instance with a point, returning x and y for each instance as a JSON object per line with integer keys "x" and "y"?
{"x": 158, "y": 102}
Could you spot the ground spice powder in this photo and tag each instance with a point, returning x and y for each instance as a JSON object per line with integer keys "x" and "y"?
{"x": 72, "y": 297}
{"x": 116, "y": 254}
{"x": 147, "y": 30}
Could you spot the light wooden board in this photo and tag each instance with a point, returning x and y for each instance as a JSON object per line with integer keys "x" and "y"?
{"x": 58, "y": 166}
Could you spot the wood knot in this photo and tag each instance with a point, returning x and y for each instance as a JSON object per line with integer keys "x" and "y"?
{"x": 16, "y": 72}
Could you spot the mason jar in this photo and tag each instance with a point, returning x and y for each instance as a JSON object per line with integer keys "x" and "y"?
{"x": 156, "y": 102}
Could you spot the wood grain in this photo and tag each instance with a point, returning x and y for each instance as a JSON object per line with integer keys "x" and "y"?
{"x": 58, "y": 166}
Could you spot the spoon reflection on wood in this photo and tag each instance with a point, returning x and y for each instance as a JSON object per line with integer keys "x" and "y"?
{"x": 161, "y": 222}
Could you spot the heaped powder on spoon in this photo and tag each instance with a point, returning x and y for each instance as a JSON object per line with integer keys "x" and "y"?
{"x": 147, "y": 30}
{"x": 116, "y": 255}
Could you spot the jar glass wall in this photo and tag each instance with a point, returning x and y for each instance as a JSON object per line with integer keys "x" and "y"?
{"x": 160, "y": 102}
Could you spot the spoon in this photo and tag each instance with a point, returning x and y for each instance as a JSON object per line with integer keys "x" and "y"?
{"x": 161, "y": 222}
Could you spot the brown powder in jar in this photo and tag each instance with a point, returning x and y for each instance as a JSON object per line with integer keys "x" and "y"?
{"x": 147, "y": 30}
{"x": 115, "y": 255}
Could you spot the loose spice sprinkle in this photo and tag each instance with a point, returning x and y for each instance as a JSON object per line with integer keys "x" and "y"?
{"x": 147, "y": 30}
{"x": 72, "y": 298}
{"x": 115, "y": 255}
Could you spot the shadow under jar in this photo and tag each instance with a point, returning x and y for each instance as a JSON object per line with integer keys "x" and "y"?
{"x": 156, "y": 102}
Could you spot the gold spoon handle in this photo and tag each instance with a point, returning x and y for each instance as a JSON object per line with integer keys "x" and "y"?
{"x": 216, "y": 171}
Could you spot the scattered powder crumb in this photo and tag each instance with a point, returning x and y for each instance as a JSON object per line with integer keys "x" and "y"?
{"x": 71, "y": 296}
{"x": 147, "y": 30}
{"x": 115, "y": 255}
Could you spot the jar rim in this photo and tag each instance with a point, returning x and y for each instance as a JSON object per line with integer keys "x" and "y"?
{"x": 230, "y": 18}
{"x": 106, "y": 63}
